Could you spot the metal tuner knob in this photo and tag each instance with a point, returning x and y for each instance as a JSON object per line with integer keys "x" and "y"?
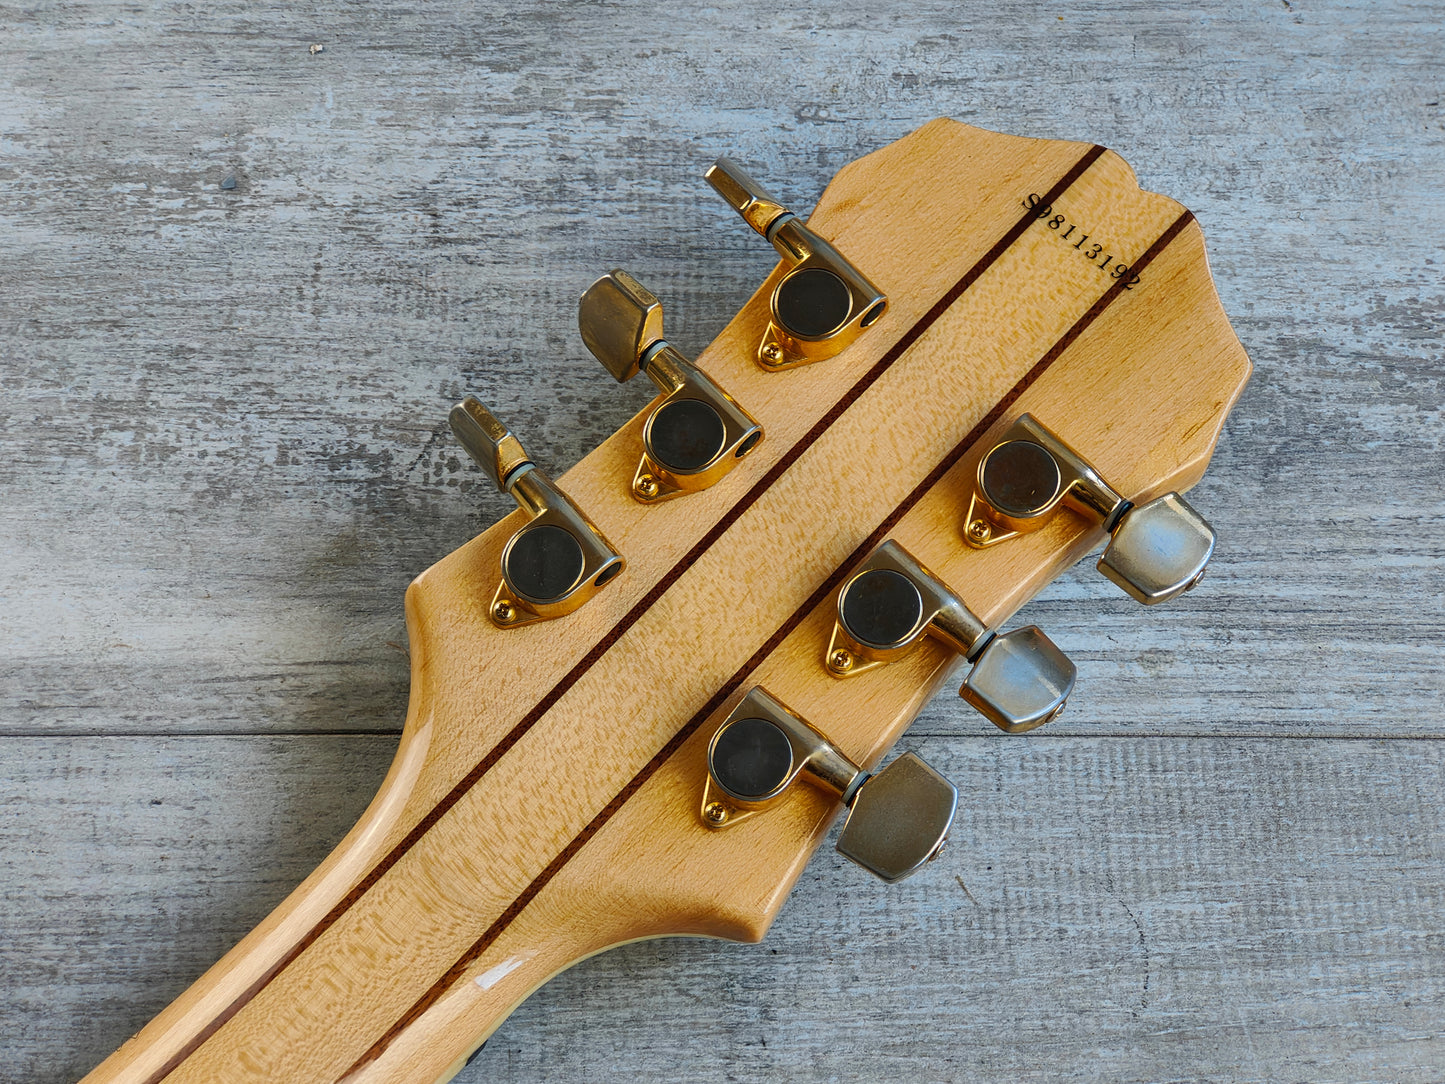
{"x": 898, "y": 818}
{"x": 558, "y": 560}
{"x": 696, "y": 432}
{"x": 822, "y": 302}
{"x": 1156, "y": 551}
{"x": 1018, "y": 680}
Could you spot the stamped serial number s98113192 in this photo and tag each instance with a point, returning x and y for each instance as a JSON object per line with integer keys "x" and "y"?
{"x": 1091, "y": 252}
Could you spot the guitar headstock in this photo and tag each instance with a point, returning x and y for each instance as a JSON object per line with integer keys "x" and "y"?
{"x": 1021, "y": 277}
{"x": 552, "y": 795}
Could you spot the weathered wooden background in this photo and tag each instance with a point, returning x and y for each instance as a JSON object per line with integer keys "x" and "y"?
{"x": 241, "y": 283}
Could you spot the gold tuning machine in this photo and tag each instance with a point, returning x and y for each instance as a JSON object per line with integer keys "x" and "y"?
{"x": 695, "y": 432}
{"x": 1018, "y": 680}
{"x": 898, "y": 818}
{"x": 558, "y": 560}
{"x": 822, "y": 302}
{"x": 1156, "y": 550}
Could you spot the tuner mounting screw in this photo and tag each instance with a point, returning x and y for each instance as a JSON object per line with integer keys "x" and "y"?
{"x": 840, "y": 661}
{"x": 979, "y": 531}
{"x": 646, "y": 486}
{"x": 504, "y": 613}
{"x": 771, "y": 353}
{"x": 716, "y": 814}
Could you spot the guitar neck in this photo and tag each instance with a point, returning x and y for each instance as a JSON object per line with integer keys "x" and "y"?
{"x": 324, "y": 989}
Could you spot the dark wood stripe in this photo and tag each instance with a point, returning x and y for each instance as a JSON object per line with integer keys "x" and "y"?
{"x": 949, "y": 461}
{"x": 632, "y": 617}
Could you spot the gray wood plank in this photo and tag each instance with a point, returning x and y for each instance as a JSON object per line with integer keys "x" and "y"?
{"x": 223, "y": 455}
{"x": 130, "y": 865}
{"x": 1113, "y": 909}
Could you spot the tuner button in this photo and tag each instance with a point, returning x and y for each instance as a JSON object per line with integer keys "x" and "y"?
{"x": 1020, "y": 680}
{"x": 556, "y": 562}
{"x": 744, "y": 195}
{"x": 695, "y": 432}
{"x": 620, "y": 320}
{"x": 489, "y": 442}
{"x": 1158, "y": 550}
{"x": 899, "y": 819}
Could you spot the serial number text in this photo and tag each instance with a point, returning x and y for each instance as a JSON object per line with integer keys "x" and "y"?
{"x": 1093, "y": 252}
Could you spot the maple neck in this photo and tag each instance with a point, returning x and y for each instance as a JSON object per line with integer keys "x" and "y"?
{"x": 337, "y": 933}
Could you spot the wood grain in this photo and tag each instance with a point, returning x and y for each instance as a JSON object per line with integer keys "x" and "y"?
{"x": 223, "y": 465}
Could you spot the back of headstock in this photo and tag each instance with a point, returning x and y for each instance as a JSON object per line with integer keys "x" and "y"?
{"x": 547, "y": 800}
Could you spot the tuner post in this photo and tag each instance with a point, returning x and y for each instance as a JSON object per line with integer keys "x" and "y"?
{"x": 1018, "y": 680}
{"x": 823, "y": 302}
{"x": 898, "y": 818}
{"x": 695, "y": 432}
{"x": 559, "y": 559}
{"x": 1156, "y": 550}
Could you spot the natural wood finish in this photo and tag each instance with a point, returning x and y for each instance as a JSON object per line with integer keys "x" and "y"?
{"x": 1143, "y": 390}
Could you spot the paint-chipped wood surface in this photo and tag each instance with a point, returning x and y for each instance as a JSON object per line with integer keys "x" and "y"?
{"x": 240, "y": 283}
